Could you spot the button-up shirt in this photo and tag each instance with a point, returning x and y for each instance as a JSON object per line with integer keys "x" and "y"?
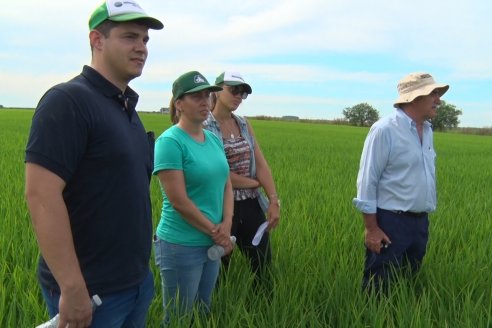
{"x": 397, "y": 170}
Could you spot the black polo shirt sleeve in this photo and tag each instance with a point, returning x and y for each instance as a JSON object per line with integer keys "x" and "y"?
{"x": 58, "y": 134}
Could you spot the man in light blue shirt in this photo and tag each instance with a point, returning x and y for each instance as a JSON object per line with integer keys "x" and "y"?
{"x": 396, "y": 184}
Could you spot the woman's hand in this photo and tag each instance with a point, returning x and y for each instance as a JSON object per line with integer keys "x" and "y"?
{"x": 229, "y": 247}
{"x": 273, "y": 214}
{"x": 221, "y": 235}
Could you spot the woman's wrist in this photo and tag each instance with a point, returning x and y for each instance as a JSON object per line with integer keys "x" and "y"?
{"x": 274, "y": 200}
{"x": 213, "y": 230}
{"x": 227, "y": 220}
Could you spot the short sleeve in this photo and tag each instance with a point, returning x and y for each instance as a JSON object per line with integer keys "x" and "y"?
{"x": 168, "y": 154}
{"x": 58, "y": 136}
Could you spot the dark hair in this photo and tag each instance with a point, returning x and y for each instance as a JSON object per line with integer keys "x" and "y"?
{"x": 105, "y": 27}
{"x": 173, "y": 112}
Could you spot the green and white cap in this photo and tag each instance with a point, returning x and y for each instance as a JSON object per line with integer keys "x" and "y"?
{"x": 191, "y": 82}
{"x": 122, "y": 11}
{"x": 232, "y": 79}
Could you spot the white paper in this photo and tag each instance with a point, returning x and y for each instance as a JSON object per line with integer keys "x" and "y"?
{"x": 259, "y": 233}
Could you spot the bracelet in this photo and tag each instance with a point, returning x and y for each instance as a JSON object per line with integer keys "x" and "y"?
{"x": 272, "y": 196}
{"x": 276, "y": 202}
{"x": 214, "y": 229}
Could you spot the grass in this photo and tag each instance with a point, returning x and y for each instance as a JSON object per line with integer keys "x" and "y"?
{"x": 318, "y": 247}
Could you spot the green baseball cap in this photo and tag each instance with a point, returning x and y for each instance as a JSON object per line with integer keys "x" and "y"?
{"x": 122, "y": 11}
{"x": 191, "y": 82}
{"x": 232, "y": 79}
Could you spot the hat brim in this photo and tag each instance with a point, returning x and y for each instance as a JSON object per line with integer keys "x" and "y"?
{"x": 148, "y": 21}
{"x": 249, "y": 90}
{"x": 425, "y": 91}
{"x": 203, "y": 87}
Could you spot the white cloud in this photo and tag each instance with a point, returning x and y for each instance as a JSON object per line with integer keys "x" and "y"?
{"x": 25, "y": 89}
{"x": 45, "y": 42}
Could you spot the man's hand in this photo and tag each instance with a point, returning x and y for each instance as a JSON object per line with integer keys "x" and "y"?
{"x": 75, "y": 309}
{"x": 376, "y": 239}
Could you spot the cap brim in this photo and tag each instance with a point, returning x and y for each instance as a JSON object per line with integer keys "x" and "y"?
{"x": 150, "y": 22}
{"x": 409, "y": 97}
{"x": 204, "y": 87}
{"x": 234, "y": 83}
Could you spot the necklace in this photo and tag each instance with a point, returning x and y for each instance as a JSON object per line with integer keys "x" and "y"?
{"x": 229, "y": 130}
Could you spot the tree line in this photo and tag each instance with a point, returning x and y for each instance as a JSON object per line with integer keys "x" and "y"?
{"x": 364, "y": 114}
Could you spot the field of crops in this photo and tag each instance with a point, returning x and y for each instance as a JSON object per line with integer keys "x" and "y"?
{"x": 318, "y": 247}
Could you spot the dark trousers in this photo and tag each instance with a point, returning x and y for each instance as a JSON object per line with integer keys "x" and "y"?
{"x": 248, "y": 216}
{"x": 409, "y": 235}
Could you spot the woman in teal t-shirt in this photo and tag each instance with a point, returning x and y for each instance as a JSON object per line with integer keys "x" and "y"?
{"x": 197, "y": 198}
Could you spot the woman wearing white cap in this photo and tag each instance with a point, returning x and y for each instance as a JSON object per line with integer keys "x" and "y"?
{"x": 249, "y": 171}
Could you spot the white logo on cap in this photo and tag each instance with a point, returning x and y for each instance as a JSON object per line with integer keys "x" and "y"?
{"x": 123, "y": 7}
{"x": 233, "y": 77}
{"x": 199, "y": 79}
{"x": 237, "y": 77}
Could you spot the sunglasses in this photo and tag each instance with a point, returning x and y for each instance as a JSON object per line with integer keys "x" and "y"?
{"x": 238, "y": 90}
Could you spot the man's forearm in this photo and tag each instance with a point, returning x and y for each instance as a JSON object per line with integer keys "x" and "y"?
{"x": 51, "y": 225}
{"x": 52, "y": 229}
{"x": 370, "y": 221}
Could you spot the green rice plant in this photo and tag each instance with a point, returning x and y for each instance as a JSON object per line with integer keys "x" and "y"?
{"x": 318, "y": 249}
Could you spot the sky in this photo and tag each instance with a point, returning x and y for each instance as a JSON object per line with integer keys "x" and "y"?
{"x": 307, "y": 58}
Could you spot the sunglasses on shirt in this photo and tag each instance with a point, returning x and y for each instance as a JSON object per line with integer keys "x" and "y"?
{"x": 238, "y": 90}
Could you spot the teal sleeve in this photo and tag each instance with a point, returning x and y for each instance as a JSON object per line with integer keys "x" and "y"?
{"x": 168, "y": 155}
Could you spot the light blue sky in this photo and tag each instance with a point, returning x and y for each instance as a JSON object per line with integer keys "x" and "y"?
{"x": 310, "y": 58}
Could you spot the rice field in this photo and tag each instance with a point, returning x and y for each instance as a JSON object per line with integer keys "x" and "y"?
{"x": 318, "y": 247}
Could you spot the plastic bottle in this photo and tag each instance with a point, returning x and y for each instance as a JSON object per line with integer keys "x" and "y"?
{"x": 53, "y": 322}
{"x": 216, "y": 251}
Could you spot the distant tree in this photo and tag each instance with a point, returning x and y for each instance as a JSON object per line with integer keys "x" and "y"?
{"x": 447, "y": 117}
{"x": 361, "y": 114}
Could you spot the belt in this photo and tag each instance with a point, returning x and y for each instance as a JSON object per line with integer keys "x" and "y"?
{"x": 413, "y": 214}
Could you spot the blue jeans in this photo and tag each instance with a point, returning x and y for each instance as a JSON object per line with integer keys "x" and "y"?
{"x": 409, "y": 236}
{"x": 187, "y": 276}
{"x": 127, "y": 308}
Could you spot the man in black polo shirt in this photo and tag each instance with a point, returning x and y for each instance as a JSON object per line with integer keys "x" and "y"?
{"x": 88, "y": 168}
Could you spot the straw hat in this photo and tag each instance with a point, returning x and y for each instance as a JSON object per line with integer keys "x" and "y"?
{"x": 417, "y": 84}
